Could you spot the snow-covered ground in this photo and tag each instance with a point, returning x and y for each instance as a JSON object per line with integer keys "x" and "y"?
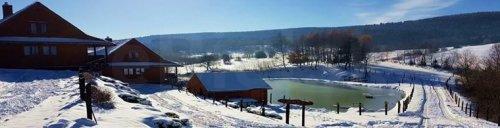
{"x": 38, "y": 98}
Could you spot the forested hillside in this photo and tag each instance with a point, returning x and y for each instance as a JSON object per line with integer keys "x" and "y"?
{"x": 453, "y": 30}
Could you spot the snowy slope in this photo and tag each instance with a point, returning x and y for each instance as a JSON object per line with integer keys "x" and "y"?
{"x": 37, "y": 98}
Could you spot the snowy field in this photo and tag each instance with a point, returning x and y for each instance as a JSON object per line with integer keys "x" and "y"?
{"x": 40, "y": 98}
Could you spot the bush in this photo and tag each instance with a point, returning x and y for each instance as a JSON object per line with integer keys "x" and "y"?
{"x": 100, "y": 95}
{"x": 134, "y": 99}
{"x": 238, "y": 58}
{"x": 260, "y": 54}
{"x": 171, "y": 115}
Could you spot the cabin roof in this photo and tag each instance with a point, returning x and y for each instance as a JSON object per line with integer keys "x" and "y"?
{"x": 144, "y": 64}
{"x": 231, "y": 81}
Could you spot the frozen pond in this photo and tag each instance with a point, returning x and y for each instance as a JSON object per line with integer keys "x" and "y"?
{"x": 326, "y": 95}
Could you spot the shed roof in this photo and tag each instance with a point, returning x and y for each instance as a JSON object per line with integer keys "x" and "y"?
{"x": 231, "y": 81}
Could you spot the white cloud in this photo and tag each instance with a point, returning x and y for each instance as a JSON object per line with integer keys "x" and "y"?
{"x": 407, "y": 10}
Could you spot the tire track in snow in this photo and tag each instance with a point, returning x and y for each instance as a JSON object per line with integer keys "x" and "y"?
{"x": 442, "y": 116}
{"x": 207, "y": 118}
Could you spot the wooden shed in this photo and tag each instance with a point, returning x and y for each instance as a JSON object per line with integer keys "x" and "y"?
{"x": 229, "y": 85}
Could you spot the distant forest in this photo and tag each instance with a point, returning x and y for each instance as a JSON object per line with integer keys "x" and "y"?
{"x": 444, "y": 31}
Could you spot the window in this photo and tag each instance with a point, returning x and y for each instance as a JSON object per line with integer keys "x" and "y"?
{"x": 43, "y": 27}
{"x": 46, "y": 50}
{"x": 37, "y": 27}
{"x": 133, "y": 71}
{"x": 33, "y": 28}
{"x": 139, "y": 71}
{"x": 49, "y": 50}
{"x": 133, "y": 55}
{"x": 125, "y": 71}
{"x": 30, "y": 50}
{"x": 53, "y": 50}
{"x": 130, "y": 71}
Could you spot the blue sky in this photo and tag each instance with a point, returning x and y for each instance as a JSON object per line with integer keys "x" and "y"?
{"x": 132, "y": 18}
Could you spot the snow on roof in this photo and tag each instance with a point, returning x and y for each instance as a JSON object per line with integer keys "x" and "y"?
{"x": 231, "y": 81}
{"x": 142, "y": 64}
{"x": 49, "y": 40}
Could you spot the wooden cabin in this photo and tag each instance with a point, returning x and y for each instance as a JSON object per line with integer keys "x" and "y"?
{"x": 36, "y": 37}
{"x": 229, "y": 86}
{"x": 131, "y": 61}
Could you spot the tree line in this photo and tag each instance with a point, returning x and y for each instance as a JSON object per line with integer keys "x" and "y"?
{"x": 336, "y": 47}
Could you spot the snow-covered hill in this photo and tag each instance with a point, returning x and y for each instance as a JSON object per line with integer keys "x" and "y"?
{"x": 38, "y": 98}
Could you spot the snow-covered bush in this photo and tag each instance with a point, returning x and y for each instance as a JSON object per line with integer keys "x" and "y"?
{"x": 134, "y": 99}
{"x": 166, "y": 122}
{"x": 268, "y": 112}
{"x": 171, "y": 115}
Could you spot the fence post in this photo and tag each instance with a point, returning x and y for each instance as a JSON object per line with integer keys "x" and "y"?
{"x": 466, "y": 106}
{"x": 359, "y": 108}
{"x": 470, "y": 110}
{"x": 225, "y": 101}
{"x": 338, "y": 107}
{"x": 462, "y": 108}
{"x": 385, "y": 103}
{"x": 263, "y": 109}
{"x": 287, "y": 113}
{"x": 399, "y": 107}
{"x": 487, "y": 113}
{"x": 241, "y": 105}
{"x": 477, "y": 111}
{"x": 303, "y": 115}
{"x": 271, "y": 98}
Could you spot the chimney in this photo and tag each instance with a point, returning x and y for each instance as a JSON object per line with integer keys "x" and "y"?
{"x": 108, "y": 39}
{"x": 7, "y": 10}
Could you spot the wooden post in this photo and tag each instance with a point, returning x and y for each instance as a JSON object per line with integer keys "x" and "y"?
{"x": 338, "y": 107}
{"x": 241, "y": 105}
{"x": 470, "y": 110}
{"x": 487, "y": 113}
{"x": 399, "y": 107}
{"x": 106, "y": 54}
{"x": 263, "y": 108}
{"x": 271, "y": 98}
{"x": 359, "y": 108}
{"x": 283, "y": 96}
{"x": 466, "y": 106}
{"x": 81, "y": 85}
{"x": 462, "y": 108}
{"x": 88, "y": 103}
{"x": 95, "y": 51}
{"x": 287, "y": 113}
{"x": 385, "y": 103}
{"x": 225, "y": 102}
{"x": 477, "y": 111}
{"x": 303, "y": 115}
